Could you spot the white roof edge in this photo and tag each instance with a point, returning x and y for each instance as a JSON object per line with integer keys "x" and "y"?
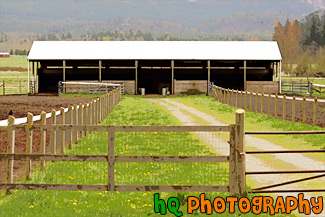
{"x": 155, "y": 50}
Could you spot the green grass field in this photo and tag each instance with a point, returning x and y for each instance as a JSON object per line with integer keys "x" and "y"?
{"x": 132, "y": 110}
{"x": 14, "y": 61}
{"x": 257, "y": 122}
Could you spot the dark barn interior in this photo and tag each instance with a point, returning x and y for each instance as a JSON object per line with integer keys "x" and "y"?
{"x": 181, "y": 67}
{"x": 154, "y": 75}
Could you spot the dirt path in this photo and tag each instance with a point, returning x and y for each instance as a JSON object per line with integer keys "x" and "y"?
{"x": 276, "y": 162}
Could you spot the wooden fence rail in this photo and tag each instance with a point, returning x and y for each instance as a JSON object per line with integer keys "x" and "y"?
{"x": 72, "y": 124}
{"x": 236, "y": 159}
{"x": 299, "y": 109}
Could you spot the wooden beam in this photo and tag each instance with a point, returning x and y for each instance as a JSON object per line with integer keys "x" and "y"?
{"x": 136, "y": 77}
{"x": 245, "y": 68}
{"x": 64, "y": 70}
{"x": 100, "y": 71}
{"x": 208, "y": 77}
{"x": 172, "y": 87}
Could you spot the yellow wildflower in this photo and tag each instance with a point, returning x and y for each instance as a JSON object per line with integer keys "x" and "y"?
{"x": 31, "y": 206}
{"x": 75, "y": 204}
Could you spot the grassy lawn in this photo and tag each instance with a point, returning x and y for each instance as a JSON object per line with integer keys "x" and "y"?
{"x": 257, "y": 122}
{"x": 313, "y": 80}
{"x": 14, "y": 61}
{"x": 132, "y": 110}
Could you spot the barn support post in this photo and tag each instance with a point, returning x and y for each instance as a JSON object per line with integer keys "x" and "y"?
{"x": 280, "y": 65}
{"x": 245, "y": 75}
{"x": 136, "y": 77}
{"x": 240, "y": 150}
{"x": 10, "y": 150}
{"x": 29, "y": 144}
{"x": 209, "y": 70}
{"x": 100, "y": 70}
{"x": 64, "y": 70}
{"x": 33, "y": 79}
{"x": 172, "y": 67}
{"x": 28, "y": 77}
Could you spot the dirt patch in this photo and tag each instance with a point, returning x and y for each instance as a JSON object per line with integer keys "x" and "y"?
{"x": 20, "y": 105}
{"x": 17, "y": 69}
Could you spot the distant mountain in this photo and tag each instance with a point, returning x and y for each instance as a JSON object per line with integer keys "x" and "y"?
{"x": 178, "y": 16}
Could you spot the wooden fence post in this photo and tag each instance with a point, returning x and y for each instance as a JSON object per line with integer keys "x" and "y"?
{"x": 80, "y": 119}
{"x": 240, "y": 150}
{"x": 250, "y": 100}
{"x": 237, "y": 98}
{"x": 293, "y": 108}
{"x": 75, "y": 122}
{"x": 70, "y": 115}
{"x": 90, "y": 114}
{"x": 111, "y": 159}
{"x": 62, "y": 132}
{"x": 29, "y": 145}
{"x": 3, "y": 87}
{"x": 315, "y": 109}
{"x": 241, "y": 99}
{"x": 43, "y": 138}
{"x": 303, "y": 109}
{"x": 233, "y": 186}
{"x": 245, "y": 99}
{"x": 284, "y": 107}
{"x": 262, "y": 98}
{"x": 85, "y": 117}
{"x": 224, "y": 96}
{"x": 256, "y": 98}
{"x": 95, "y": 111}
{"x": 276, "y": 105}
{"x": 10, "y": 150}
{"x": 268, "y": 104}
{"x": 53, "y": 133}
{"x": 217, "y": 94}
{"x": 228, "y": 96}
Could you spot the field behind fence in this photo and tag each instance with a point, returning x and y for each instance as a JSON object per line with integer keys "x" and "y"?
{"x": 47, "y": 140}
{"x": 299, "y": 109}
{"x": 13, "y": 85}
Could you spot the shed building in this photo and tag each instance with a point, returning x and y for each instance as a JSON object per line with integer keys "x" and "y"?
{"x": 180, "y": 66}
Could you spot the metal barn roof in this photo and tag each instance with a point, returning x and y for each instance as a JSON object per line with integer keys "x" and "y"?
{"x": 154, "y": 50}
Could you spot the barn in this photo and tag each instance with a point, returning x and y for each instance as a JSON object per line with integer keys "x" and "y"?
{"x": 4, "y": 55}
{"x": 179, "y": 66}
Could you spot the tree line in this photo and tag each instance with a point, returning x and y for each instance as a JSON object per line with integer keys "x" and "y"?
{"x": 302, "y": 44}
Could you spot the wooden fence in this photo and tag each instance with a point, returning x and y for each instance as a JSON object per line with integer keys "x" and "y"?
{"x": 14, "y": 85}
{"x": 297, "y": 87}
{"x": 96, "y": 111}
{"x": 72, "y": 126}
{"x": 90, "y": 87}
{"x": 299, "y": 109}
